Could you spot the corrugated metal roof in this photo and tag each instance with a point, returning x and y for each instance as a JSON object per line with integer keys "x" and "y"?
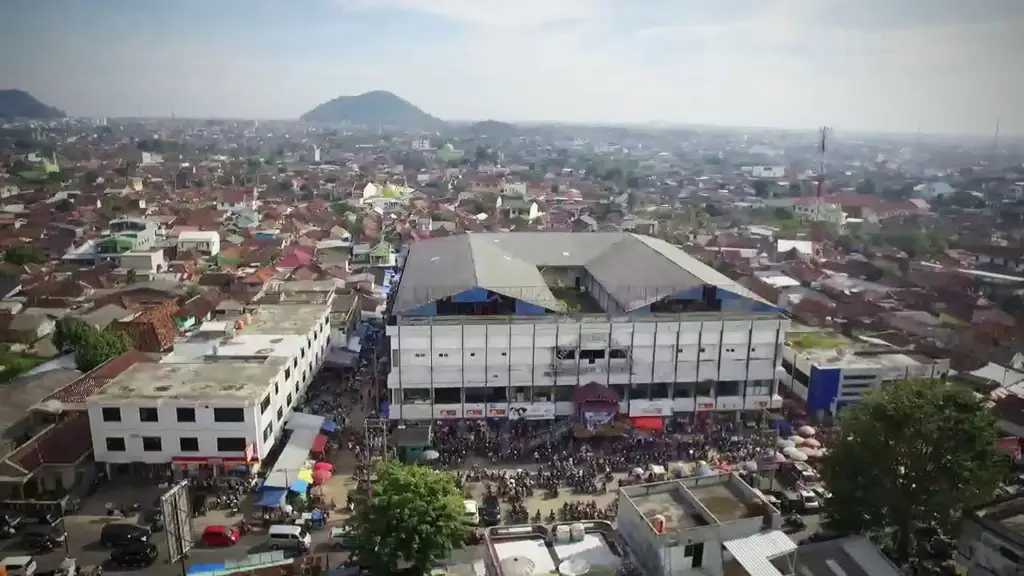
{"x": 635, "y": 270}
{"x": 754, "y": 552}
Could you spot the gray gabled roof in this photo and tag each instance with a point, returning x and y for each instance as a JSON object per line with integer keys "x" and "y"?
{"x": 635, "y": 270}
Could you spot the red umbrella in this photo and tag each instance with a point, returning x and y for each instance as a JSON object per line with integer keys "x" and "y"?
{"x": 324, "y": 466}
{"x": 321, "y": 476}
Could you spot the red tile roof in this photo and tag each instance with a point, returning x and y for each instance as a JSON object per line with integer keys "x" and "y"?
{"x": 90, "y": 383}
{"x": 66, "y": 442}
{"x": 153, "y": 329}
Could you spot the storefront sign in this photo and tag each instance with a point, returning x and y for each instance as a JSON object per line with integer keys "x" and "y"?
{"x": 641, "y": 408}
{"x": 705, "y": 406}
{"x": 544, "y": 411}
{"x": 497, "y": 413}
{"x": 250, "y": 452}
{"x": 473, "y": 413}
{"x": 448, "y": 414}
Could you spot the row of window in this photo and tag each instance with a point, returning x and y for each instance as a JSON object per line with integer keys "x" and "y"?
{"x": 150, "y": 414}
{"x": 185, "y": 445}
{"x": 638, "y": 391}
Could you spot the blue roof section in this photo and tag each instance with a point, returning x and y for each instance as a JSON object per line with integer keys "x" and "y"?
{"x": 272, "y": 497}
{"x": 299, "y": 486}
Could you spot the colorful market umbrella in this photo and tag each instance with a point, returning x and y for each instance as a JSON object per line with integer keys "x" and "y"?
{"x": 321, "y": 476}
{"x": 306, "y": 475}
{"x": 323, "y": 466}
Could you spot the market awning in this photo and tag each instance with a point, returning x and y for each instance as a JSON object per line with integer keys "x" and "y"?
{"x": 272, "y": 497}
{"x": 319, "y": 444}
{"x": 299, "y": 486}
{"x": 341, "y": 359}
{"x": 329, "y": 426}
{"x": 648, "y": 423}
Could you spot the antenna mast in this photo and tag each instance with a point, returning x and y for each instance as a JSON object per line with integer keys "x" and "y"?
{"x": 817, "y": 232}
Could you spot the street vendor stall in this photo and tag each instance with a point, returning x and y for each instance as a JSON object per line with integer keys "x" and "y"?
{"x": 412, "y": 442}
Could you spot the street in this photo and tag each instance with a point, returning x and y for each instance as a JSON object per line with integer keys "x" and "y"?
{"x": 84, "y": 532}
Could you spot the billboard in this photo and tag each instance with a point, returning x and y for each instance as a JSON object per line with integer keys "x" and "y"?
{"x": 177, "y": 510}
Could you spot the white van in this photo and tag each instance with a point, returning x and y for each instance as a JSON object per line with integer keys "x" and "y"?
{"x": 289, "y": 536}
{"x": 19, "y": 565}
{"x": 472, "y": 512}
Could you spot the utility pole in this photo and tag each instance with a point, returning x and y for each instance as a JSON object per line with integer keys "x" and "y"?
{"x": 817, "y": 233}
{"x": 375, "y": 430}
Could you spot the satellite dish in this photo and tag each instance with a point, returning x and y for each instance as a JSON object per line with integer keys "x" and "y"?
{"x": 574, "y": 567}
{"x": 52, "y": 406}
{"x": 517, "y": 566}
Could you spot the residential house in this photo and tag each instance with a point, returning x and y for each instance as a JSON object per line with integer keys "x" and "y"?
{"x": 203, "y": 242}
{"x": 236, "y": 200}
{"x": 151, "y": 329}
{"x": 379, "y": 255}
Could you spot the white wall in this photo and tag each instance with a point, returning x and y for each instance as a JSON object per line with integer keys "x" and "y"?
{"x": 285, "y": 392}
{"x": 524, "y": 355}
{"x": 168, "y": 429}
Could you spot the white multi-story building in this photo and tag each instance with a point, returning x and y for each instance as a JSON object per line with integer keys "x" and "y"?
{"x": 511, "y": 325}
{"x": 204, "y": 241}
{"x": 220, "y": 399}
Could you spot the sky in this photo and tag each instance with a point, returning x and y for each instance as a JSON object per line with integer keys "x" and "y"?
{"x": 939, "y": 66}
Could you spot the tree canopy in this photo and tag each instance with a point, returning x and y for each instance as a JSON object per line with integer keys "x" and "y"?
{"x": 24, "y": 254}
{"x": 70, "y": 332}
{"x": 100, "y": 347}
{"x": 910, "y": 458}
{"x": 414, "y": 516}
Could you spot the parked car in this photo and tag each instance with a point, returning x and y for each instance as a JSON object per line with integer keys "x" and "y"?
{"x": 490, "y": 512}
{"x": 135, "y": 555}
{"x": 42, "y": 536}
{"x": 220, "y": 536}
{"x": 118, "y": 534}
{"x": 19, "y": 565}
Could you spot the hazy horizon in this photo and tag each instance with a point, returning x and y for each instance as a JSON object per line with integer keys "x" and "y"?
{"x": 862, "y": 66}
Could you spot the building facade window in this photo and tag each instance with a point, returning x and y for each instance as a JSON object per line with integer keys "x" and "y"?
{"x": 111, "y": 414}
{"x": 115, "y": 445}
{"x": 186, "y": 414}
{"x": 152, "y": 444}
{"x": 149, "y": 415}
{"x": 231, "y": 444}
{"x": 228, "y": 415}
{"x": 188, "y": 444}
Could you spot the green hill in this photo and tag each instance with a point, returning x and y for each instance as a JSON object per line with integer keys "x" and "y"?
{"x": 21, "y": 104}
{"x": 377, "y": 108}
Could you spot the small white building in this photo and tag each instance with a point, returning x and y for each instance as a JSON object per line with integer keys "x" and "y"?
{"x": 207, "y": 242}
{"x": 219, "y": 401}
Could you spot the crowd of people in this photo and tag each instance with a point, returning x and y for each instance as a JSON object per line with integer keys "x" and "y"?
{"x": 531, "y": 443}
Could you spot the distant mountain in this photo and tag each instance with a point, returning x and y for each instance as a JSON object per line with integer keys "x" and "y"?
{"x": 492, "y": 128}
{"x": 21, "y": 104}
{"x": 377, "y": 108}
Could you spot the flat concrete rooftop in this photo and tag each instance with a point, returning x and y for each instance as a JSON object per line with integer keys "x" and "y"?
{"x": 678, "y": 513}
{"x": 200, "y": 381}
{"x": 1009, "y": 514}
{"x": 722, "y": 500}
{"x": 285, "y": 319}
{"x": 538, "y": 546}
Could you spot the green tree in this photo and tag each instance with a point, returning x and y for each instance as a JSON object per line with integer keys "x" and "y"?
{"x": 99, "y": 348}
{"x": 24, "y": 254}
{"x": 70, "y": 332}
{"x": 414, "y": 517}
{"x": 911, "y": 456}
{"x": 867, "y": 186}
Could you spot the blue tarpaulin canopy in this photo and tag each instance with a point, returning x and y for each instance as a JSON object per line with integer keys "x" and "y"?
{"x": 272, "y": 497}
{"x": 329, "y": 426}
{"x": 299, "y": 486}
